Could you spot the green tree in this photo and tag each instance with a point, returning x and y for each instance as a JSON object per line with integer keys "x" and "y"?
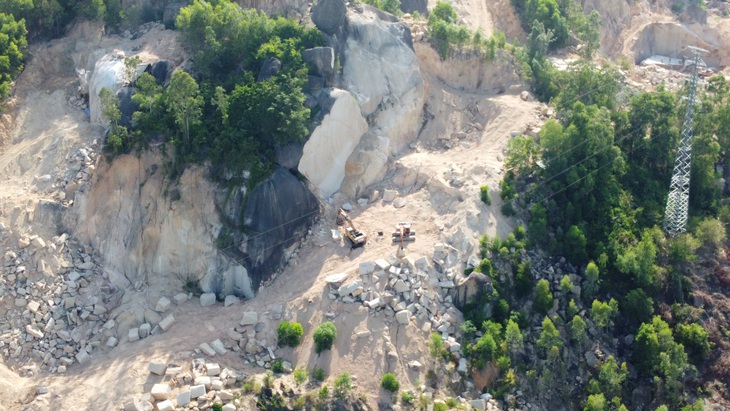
{"x": 523, "y": 280}
{"x": 324, "y": 336}
{"x": 389, "y": 382}
{"x": 543, "y": 296}
{"x": 566, "y": 285}
{"x": 443, "y": 11}
{"x": 603, "y": 313}
{"x": 12, "y": 51}
{"x": 695, "y": 340}
{"x": 578, "y": 331}
{"x": 592, "y": 281}
{"x": 612, "y": 376}
{"x": 638, "y": 261}
{"x": 109, "y": 103}
{"x": 343, "y": 385}
{"x": 710, "y": 232}
{"x": 513, "y": 338}
{"x": 596, "y": 402}
{"x": 289, "y": 333}
{"x": 184, "y": 102}
{"x": 637, "y": 307}
{"x": 549, "y": 336}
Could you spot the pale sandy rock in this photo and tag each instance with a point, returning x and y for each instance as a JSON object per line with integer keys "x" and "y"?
{"x": 231, "y": 300}
{"x": 332, "y": 142}
{"x": 207, "y": 349}
{"x": 39, "y": 243}
{"x": 180, "y": 298}
{"x": 249, "y": 318}
{"x": 197, "y": 391}
{"x": 167, "y": 322}
{"x": 336, "y": 278}
{"x": 160, "y": 391}
{"x": 207, "y": 299}
{"x": 163, "y": 304}
{"x": 109, "y": 72}
{"x": 157, "y": 367}
{"x": 83, "y": 357}
{"x": 166, "y": 405}
{"x": 403, "y": 317}
{"x": 183, "y": 398}
{"x": 212, "y": 369}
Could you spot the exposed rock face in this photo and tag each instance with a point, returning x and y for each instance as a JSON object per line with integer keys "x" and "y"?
{"x": 380, "y": 69}
{"x": 279, "y": 211}
{"x": 331, "y": 144}
{"x": 161, "y": 235}
{"x": 328, "y": 15}
{"x": 321, "y": 61}
{"x": 409, "y": 6}
{"x": 669, "y": 38}
{"x": 126, "y": 106}
{"x": 109, "y": 72}
{"x": 269, "y": 69}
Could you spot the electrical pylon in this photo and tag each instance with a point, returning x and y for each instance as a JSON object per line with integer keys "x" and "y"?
{"x": 675, "y": 216}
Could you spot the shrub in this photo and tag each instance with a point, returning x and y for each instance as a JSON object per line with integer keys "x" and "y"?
{"x": 407, "y": 397}
{"x": 695, "y": 341}
{"x": 324, "y": 393}
{"x": 277, "y": 366}
{"x": 324, "y": 336}
{"x": 217, "y": 407}
{"x": 300, "y": 376}
{"x": 543, "y": 296}
{"x": 437, "y": 347}
{"x": 711, "y": 232}
{"x": 250, "y": 386}
{"x": 484, "y": 194}
{"x": 318, "y": 374}
{"x": 508, "y": 209}
{"x": 289, "y": 334}
{"x": 440, "y": 406}
{"x": 451, "y": 402}
{"x": 565, "y": 284}
{"x": 389, "y": 382}
{"x": 343, "y": 385}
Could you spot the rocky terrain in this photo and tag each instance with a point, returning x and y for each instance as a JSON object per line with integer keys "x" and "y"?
{"x": 116, "y": 294}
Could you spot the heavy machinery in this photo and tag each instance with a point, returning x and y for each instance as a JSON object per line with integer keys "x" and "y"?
{"x": 403, "y": 233}
{"x": 355, "y": 237}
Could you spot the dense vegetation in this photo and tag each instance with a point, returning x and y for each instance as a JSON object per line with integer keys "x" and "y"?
{"x": 592, "y": 189}
{"x": 230, "y": 46}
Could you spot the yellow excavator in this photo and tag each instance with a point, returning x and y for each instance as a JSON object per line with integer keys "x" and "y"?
{"x": 355, "y": 237}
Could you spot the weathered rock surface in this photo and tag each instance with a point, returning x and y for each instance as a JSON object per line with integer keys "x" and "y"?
{"x": 328, "y": 15}
{"x": 332, "y": 143}
{"x": 109, "y": 72}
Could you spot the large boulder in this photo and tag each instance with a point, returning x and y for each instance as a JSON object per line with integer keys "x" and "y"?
{"x": 321, "y": 61}
{"x": 328, "y": 15}
{"x": 127, "y": 107}
{"x": 332, "y": 142}
{"x": 409, "y": 6}
{"x": 162, "y": 70}
{"x": 381, "y": 70}
{"x": 270, "y": 68}
{"x": 278, "y": 213}
{"x": 110, "y": 72}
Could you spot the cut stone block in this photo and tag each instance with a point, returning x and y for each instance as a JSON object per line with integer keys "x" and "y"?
{"x": 167, "y": 322}
{"x": 207, "y": 349}
{"x": 163, "y": 304}
{"x": 212, "y": 369}
{"x": 366, "y": 268}
{"x": 229, "y": 407}
{"x": 249, "y": 318}
{"x": 335, "y": 278}
{"x": 145, "y": 330}
{"x": 218, "y": 346}
{"x": 111, "y": 342}
{"x": 207, "y": 299}
{"x": 231, "y": 300}
{"x": 160, "y": 391}
{"x": 349, "y": 287}
{"x": 157, "y": 367}
{"x": 133, "y": 334}
{"x": 83, "y": 357}
{"x": 389, "y": 195}
{"x": 180, "y": 298}
{"x": 166, "y": 405}
{"x": 183, "y": 398}
{"x": 402, "y": 317}
{"x": 197, "y": 391}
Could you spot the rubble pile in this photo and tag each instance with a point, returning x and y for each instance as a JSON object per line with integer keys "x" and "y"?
{"x": 57, "y": 303}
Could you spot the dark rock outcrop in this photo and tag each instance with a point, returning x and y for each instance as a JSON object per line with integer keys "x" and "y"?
{"x": 329, "y": 15}
{"x": 126, "y": 106}
{"x": 270, "y": 68}
{"x": 321, "y": 61}
{"x": 409, "y": 6}
{"x": 279, "y": 211}
{"x": 161, "y": 70}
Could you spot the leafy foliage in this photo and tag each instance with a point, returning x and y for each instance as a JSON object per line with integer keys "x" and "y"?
{"x": 289, "y": 333}
{"x": 543, "y": 296}
{"x": 324, "y": 336}
{"x": 389, "y": 382}
{"x": 12, "y": 51}
{"x": 343, "y": 385}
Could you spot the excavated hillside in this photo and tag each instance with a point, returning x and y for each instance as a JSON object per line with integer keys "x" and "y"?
{"x": 105, "y": 243}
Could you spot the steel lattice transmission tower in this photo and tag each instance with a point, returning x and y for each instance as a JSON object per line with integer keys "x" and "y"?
{"x": 675, "y": 216}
